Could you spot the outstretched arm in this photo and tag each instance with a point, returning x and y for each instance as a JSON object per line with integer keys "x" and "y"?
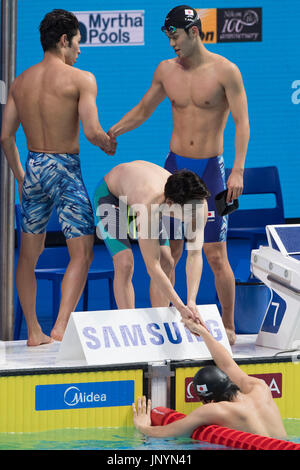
{"x": 140, "y": 113}
{"x": 195, "y": 237}
{"x": 88, "y": 115}
{"x": 151, "y": 255}
{"x": 222, "y": 358}
{"x": 204, "y": 415}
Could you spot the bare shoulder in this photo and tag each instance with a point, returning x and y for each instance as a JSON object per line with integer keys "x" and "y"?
{"x": 253, "y": 385}
{"x": 83, "y": 75}
{"x": 259, "y": 384}
{"x": 25, "y": 75}
{"x": 84, "y": 79}
{"x": 166, "y": 66}
{"x": 22, "y": 81}
{"x": 226, "y": 70}
{"x": 223, "y": 63}
{"x": 210, "y": 413}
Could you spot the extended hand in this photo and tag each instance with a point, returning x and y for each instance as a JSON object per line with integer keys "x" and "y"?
{"x": 141, "y": 417}
{"x": 187, "y": 313}
{"x": 190, "y": 312}
{"x": 197, "y": 317}
{"x": 234, "y": 185}
{"x": 113, "y": 141}
{"x": 196, "y": 328}
{"x": 110, "y": 144}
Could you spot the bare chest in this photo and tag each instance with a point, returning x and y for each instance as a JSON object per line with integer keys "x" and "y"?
{"x": 199, "y": 89}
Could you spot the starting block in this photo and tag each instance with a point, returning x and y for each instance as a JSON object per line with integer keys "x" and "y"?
{"x": 278, "y": 267}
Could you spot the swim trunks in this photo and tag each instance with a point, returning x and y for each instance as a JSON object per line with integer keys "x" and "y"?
{"x": 116, "y": 221}
{"x": 212, "y": 172}
{"x": 54, "y": 179}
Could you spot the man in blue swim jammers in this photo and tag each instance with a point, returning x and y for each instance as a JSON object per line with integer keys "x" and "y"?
{"x": 50, "y": 99}
{"x": 203, "y": 88}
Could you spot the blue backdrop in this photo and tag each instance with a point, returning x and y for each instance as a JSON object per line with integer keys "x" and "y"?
{"x": 270, "y": 70}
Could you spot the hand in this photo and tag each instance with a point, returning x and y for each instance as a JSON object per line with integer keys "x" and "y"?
{"x": 196, "y": 328}
{"x": 186, "y": 313}
{"x": 110, "y": 145}
{"x": 197, "y": 317}
{"x": 141, "y": 417}
{"x": 113, "y": 140}
{"x": 234, "y": 185}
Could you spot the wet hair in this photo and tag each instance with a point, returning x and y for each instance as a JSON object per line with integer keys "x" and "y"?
{"x": 212, "y": 384}
{"x": 177, "y": 17}
{"x": 54, "y": 25}
{"x": 185, "y": 185}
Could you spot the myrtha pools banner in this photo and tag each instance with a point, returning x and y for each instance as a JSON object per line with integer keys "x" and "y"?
{"x": 111, "y": 28}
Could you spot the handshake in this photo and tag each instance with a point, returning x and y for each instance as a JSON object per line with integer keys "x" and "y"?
{"x": 109, "y": 144}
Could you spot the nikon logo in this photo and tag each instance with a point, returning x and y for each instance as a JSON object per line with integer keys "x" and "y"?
{"x": 208, "y": 36}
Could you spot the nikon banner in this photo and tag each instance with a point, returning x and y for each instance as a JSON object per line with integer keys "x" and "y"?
{"x": 231, "y": 24}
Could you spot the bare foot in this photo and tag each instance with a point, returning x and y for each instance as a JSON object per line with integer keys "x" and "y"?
{"x": 231, "y": 336}
{"x": 58, "y": 332}
{"x": 36, "y": 339}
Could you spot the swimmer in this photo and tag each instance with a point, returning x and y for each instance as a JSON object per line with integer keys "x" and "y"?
{"x": 150, "y": 192}
{"x": 230, "y": 398}
{"x": 203, "y": 87}
{"x": 49, "y": 100}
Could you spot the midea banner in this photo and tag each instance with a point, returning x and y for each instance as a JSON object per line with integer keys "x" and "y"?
{"x": 111, "y": 28}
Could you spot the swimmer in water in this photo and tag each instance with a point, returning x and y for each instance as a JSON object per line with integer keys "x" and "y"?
{"x": 49, "y": 100}
{"x": 230, "y": 398}
{"x": 203, "y": 87}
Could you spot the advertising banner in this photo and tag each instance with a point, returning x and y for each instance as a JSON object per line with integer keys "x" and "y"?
{"x": 111, "y": 28}
{"x": 138, "y": 335}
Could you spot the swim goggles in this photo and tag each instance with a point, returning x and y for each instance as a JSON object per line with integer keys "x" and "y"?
{"x": 173, "y": 29}
{"x": 169, "y": 29}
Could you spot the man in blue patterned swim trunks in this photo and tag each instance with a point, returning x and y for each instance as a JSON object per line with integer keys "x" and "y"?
{"x": 203, "y": 88}
{"x": 50, "y": 99}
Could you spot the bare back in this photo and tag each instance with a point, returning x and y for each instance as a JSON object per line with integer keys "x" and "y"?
{"x": 140, "y": 181}
{"x": 254, "y": 412}
{"x": 46, "y": 96}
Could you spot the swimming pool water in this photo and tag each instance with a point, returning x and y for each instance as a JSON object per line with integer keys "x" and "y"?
{"x": 113, "y": 439}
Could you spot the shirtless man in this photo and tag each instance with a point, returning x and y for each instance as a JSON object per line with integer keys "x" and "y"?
{"x": 50, "y": 99}
{"x": 203, "y": 88}
{"x": 231, "y": 399}
{"x": 152, "y": 194}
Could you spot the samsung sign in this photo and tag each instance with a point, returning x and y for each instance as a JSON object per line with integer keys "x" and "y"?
{"x": 111, "y": 28}
{"x": 136, "y": 335}
{"x": 84, "y": 395}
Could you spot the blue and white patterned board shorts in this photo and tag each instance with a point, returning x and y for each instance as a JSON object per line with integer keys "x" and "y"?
{"x": 54, "y": 179}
